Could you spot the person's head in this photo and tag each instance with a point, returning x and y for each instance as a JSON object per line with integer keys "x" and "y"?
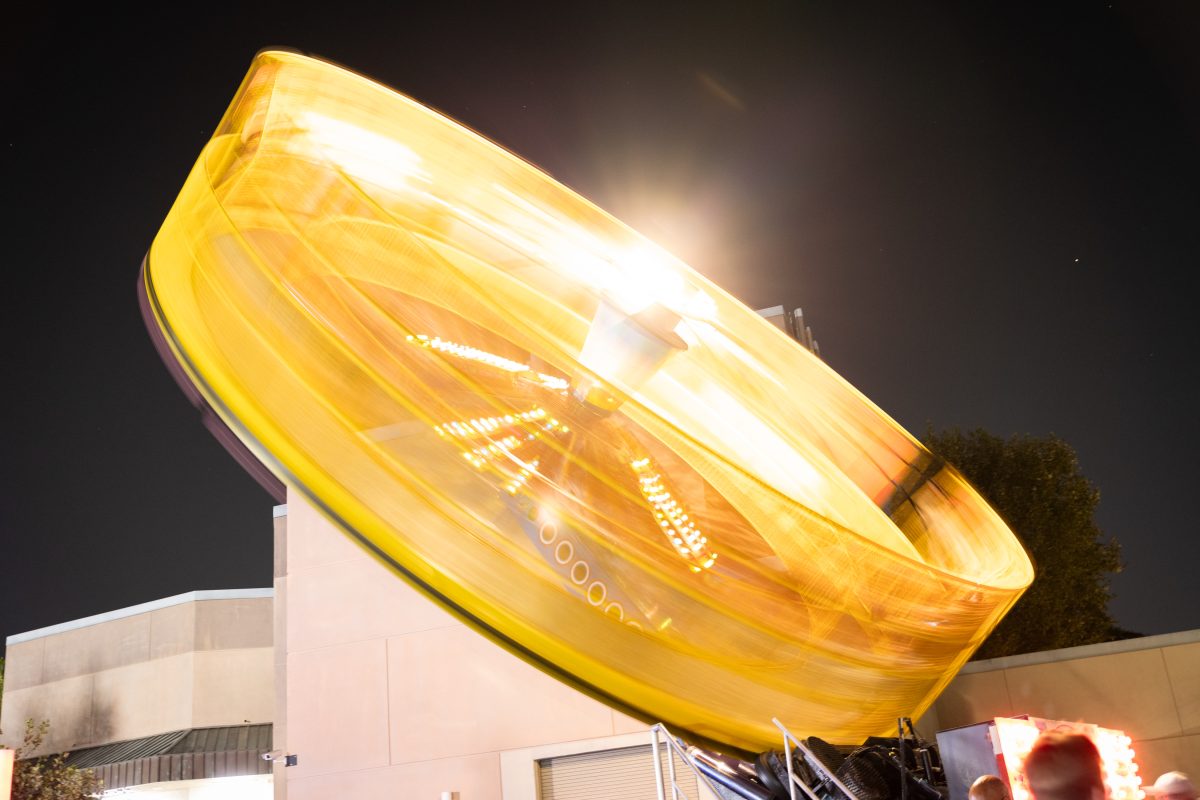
{"x": 1172, "y": 786}
{"x": 1065, "y": 766}
{"x": 988, "y": 787}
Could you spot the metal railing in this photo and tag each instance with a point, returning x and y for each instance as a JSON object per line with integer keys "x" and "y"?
{"x": 674, "y": 748}
{"x": 815, "y": 763}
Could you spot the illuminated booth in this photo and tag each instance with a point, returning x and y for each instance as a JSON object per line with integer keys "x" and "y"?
{"x": 999, "y": 746}
{"x": 558, "y": 430}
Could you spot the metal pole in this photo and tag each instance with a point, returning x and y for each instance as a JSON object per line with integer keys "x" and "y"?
{"x": 671, "y": 767}
{"x": 658, "y": 778}
{"x": 787, "y": 753}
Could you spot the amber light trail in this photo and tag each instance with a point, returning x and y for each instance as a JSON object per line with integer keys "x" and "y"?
{"x": 554, "y": 426}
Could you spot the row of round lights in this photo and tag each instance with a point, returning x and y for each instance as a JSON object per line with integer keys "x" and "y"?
{"x": 580, "y": 572}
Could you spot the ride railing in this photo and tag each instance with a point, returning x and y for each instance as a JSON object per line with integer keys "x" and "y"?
{"x": 715, "y": 780}
{"x": 667, "y": 781}
{"x": 790, "y": 742}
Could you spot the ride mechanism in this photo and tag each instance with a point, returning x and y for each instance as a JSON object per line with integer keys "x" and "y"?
{"x": 557, "y": 429}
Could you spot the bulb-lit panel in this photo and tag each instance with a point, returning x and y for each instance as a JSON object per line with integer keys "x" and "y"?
{"x": 553, "y": 425}
{"x": 1016, "y": 736}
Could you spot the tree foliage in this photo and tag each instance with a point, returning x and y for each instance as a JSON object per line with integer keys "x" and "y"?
{"x": 1036, "y": 485}
{"x": 49, "y": 777}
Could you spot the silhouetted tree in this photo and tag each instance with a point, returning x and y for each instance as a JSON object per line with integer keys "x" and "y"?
{"x": 1036, "y": 485}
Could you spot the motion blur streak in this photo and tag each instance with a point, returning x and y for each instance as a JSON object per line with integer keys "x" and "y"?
{"x": 558, "y": 429}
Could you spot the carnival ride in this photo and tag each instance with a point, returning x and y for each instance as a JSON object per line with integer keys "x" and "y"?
{"x": 559, "y": 430}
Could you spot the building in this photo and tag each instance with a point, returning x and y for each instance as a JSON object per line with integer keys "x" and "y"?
{"x": 171, "y": 699}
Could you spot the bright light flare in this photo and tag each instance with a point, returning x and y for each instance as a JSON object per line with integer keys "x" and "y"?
{"x": 362, "y": 154}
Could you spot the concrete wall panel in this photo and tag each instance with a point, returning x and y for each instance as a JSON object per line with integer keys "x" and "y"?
{"x": 23, "y": 665}
{"x": 313, "y": 540}
{"x": 233, "y": 624}
{"x": 354, "y": 600}
{"x": 232, "y": 687}
{"x": 454, "y": 693}
{"x": 65, "y": 704}
{"x": 1183, "y": 670}
{"x": 338, "y": 708}
{"x": 95, "y": 648}
{"x": 627, "y": 724}
{"x": 1128, "y": 691}
{"x": 143, "y": 699}
{"x": 473, "y": 778}
{"x": 172, "y": 630}
{"x": 972, "y": 698}
{"x": 1156, "y": 756}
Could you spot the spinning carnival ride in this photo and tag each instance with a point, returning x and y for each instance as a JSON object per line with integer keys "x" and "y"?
{"x": 559, "y": 430}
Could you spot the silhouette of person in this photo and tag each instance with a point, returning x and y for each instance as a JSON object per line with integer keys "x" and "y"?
{"x": 988, "y": 787}
{"x": 1065, "y": 766}
{"x": 1172, "y": 786}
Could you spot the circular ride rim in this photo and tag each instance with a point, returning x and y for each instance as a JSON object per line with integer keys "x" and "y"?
{"x": 560, "y": 431}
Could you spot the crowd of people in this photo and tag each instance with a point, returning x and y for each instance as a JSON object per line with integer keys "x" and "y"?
{"x": 1067, "y": 766}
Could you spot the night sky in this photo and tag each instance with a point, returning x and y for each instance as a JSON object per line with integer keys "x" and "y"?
{"x": 990, "y": 216}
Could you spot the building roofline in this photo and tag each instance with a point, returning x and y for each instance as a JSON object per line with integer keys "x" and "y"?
{"x": 1083, "y": 651}
{"x": 153, "y": 605}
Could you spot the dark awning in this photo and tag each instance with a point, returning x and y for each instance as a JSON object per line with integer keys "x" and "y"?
{"x": 219, "y": 752}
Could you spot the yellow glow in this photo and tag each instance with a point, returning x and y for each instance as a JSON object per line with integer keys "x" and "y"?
{"x": 343, "y": 262}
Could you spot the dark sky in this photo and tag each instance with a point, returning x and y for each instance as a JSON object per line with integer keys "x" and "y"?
{"x": 990, "y": 215}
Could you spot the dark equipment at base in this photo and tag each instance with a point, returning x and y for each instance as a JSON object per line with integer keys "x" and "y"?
{"x": 882, "y": 768}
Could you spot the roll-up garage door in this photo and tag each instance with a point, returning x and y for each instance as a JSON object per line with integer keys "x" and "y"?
{"x": 626, "y": 773}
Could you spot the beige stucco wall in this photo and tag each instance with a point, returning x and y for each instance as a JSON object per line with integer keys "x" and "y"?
{"x": 390, "y": 696}
{"x": 1149, "y": 688}
{"x": 189, "y": 663}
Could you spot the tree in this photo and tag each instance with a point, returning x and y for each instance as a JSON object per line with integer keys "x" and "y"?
{"x": 49, "y": 777}
{"x": 1036, "y": 486}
